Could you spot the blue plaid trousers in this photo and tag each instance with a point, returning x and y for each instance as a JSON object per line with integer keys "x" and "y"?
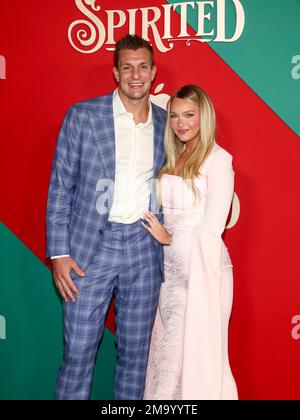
{"x": 126, "y": 265}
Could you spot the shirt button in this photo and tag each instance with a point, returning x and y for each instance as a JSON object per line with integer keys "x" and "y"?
{"x": 100, "y": 232}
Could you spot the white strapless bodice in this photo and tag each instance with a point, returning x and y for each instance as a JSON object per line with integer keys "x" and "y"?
{"x": 180, "y": 206}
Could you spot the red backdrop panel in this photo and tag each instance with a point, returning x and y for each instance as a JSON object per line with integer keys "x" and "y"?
{"x": 45, "y": 75}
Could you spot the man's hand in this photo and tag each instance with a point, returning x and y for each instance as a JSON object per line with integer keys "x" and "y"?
{"x": 62, "y": 268}
{"x": 157, "y": 230}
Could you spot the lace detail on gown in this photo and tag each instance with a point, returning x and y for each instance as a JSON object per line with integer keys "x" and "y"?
{"x": 165, "y": 360}
{"x": 165, "y": 357}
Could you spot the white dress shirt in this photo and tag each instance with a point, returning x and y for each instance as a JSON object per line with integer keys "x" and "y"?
{"x": 134, "y": 164}
{"x": 134, "y": 147}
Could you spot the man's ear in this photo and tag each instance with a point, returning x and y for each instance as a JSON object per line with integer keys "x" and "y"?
{"x": 116, "y": 74}
{"x": 154, "y": 68}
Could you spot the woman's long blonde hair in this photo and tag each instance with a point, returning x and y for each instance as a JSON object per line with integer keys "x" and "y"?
{"x": 174, "y": 147}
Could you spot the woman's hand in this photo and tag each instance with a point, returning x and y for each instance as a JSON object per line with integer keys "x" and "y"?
{"x": 157, "y": 230}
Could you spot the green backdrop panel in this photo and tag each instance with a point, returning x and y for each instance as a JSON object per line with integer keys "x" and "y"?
{"x": 31, "y": 341}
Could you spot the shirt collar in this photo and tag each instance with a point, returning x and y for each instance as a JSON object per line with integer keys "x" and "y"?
{"x": 120, "y": 110}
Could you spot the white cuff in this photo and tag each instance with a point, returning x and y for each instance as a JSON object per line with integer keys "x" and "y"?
{"x": 58, "y": 256}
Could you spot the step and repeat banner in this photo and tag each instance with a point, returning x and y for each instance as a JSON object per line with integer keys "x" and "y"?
{"x": 246, "y": 55}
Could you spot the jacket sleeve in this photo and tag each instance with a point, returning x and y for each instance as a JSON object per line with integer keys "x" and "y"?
{"x": 203, "y": 345}
{"x": 62, "y": 186}
{"x": 220, "y": 178}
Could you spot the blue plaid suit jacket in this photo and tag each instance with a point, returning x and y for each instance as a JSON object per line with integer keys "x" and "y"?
{"x": 82, "y": 176}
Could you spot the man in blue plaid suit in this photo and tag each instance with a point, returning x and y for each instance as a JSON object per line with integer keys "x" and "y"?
{"x": 108, "y": 152}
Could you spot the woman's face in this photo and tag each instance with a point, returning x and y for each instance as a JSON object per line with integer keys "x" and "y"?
{"x": 185, "y": 120}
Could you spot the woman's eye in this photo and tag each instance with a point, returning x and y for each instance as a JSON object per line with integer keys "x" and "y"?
{"x": 189, "y": 115}
{"x": 173, "y": 116}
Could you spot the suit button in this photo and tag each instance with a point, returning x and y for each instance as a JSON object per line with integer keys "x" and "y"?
{"x": 100, "y": 231}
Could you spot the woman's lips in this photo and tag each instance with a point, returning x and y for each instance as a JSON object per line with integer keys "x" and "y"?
{"x": 182, "y": 131}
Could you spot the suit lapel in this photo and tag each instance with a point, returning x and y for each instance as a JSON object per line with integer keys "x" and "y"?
{"x": 158, "y": 153}
{"x": 104, "y": 130}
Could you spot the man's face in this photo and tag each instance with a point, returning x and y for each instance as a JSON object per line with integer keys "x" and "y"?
{"x": 134, "y": 73}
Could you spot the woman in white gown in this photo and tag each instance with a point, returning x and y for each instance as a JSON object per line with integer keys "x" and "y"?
{"x": 188, "y": 356}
